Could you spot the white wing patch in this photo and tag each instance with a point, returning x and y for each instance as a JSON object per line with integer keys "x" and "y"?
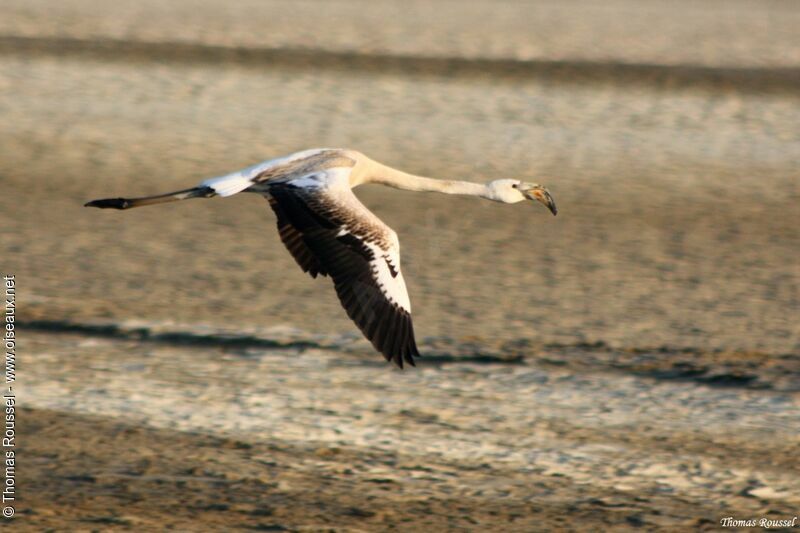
{"x": 236, "y": 182}
{"x": 313, "y": 179}
{"x": 230, "y": 184}
{"x": 334, "y": 179}
{"x": 386, "y": 271}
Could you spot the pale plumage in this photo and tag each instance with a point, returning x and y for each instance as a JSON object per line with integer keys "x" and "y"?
{"x": 329, "y": 232}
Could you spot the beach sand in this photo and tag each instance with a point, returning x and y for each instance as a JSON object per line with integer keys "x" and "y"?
{"x": 630, "y": 362}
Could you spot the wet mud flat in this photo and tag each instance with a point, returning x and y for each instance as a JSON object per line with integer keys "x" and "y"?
{"x": 630, "y": 363}
{"x": 126, "y": 434}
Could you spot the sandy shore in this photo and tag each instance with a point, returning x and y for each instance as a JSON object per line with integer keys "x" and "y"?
{"x": 677, "y": 225}
{"x": 631, "y": 362}
{"x": 155, "y": 435}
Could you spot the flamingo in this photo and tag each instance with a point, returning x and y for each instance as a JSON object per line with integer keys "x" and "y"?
{"x": 329, "y": 232}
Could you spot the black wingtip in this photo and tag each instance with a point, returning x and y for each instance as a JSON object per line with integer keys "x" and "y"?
{"x": 399, "y": 360}
{"x": 413, "y": 352}
{"x": 406, "y": 355}
{"x": 109, "y": 203}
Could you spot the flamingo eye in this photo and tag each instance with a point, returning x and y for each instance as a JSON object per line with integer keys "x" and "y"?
{"x": 513, "y": 185}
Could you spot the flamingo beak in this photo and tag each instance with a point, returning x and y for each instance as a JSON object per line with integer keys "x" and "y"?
{"x": 541, "y": 194}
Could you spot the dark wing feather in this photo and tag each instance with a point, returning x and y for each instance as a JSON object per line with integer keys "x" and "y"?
{"x": 313, "y": 237}
{"x": 293, "y": 240}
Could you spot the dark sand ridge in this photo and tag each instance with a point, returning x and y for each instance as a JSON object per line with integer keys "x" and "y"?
{"x": 760, "y": 79}
{"x": 713, "y": 33}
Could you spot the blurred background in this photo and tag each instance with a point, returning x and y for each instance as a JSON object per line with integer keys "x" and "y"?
{"x": 630, "y": 362}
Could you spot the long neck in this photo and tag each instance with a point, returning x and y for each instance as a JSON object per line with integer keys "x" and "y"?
{"x": 378, "y": 173}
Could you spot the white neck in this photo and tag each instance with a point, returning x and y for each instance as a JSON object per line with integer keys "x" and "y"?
{"x": 378, "y": 173}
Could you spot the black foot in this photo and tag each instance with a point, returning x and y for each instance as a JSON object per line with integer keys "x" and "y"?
{"x": 109, "y": 203}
